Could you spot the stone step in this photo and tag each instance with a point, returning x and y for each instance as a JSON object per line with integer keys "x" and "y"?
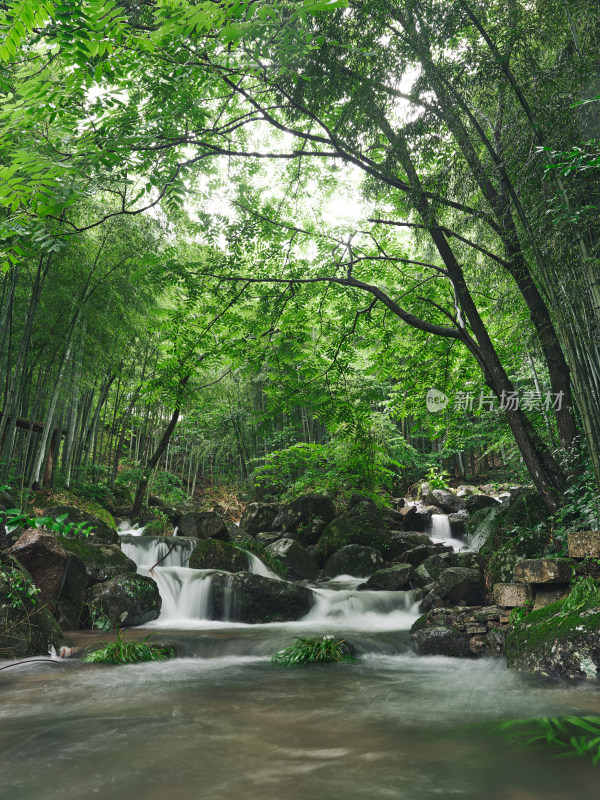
{"x": 584, "y": 544}
{"x": 512, "y": 595}
{"x": 543, "y": 570}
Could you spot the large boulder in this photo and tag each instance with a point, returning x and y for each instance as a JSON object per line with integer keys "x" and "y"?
{"x": 123, "y": 601}
{"x": 556, "y": 642}
{"x": 258, "y": 517}
{"x": 442, "y": 498}
{"x": 301, "y": 511}
{"x": 393, "y": 579}
{"x": 101, "y": 532}
{"x": 477, "y": 502}
{"x": 203, "y": 525}
{"x": 364, "y": 529}
{"x": 354, "y": 559}
{"x": 27, "y": 627}
{"x": 298, "y": 562}
{"x": 102, "y": 561}
{"x": 48, "y": 563}
{"x": 461, "y": 585}
{"x": 458, "y": 523}
{"x": 252, "y": 598}
{"x": 213, "y": 554}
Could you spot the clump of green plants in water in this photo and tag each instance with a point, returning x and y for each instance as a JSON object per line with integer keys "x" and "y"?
{"x": 122, "y": 652}
{"x": 260, "y": 551}
{"x": 572, "y": 736}
{"x": 14, "y": 518}
{"x": 314, "y": 650}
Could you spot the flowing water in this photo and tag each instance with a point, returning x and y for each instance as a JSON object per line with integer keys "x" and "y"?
{"x": 221, "y": 721}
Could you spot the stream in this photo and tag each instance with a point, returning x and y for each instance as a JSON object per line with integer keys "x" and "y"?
{"x": 221, "y": 721}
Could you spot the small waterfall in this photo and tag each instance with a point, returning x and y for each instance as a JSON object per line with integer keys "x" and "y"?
{"x": 256, "y": 567}
{"x": 374, "y": 610}
{"x": 147, "y": 551}
{"x": 186, "y": 593}
{"x": 439, "y": 531}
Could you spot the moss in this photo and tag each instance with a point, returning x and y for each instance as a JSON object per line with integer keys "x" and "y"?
{"x": 420, "y": 624}
{"x": 364, "y": 529}
{"x": 545, "y": 627}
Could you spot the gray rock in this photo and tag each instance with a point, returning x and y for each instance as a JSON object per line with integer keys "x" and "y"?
{"x": 258, "y": 517}
{"x": 125, "y": 600}
{"x": 251, "y": 598}
{"x": 477, "y": 502}
{"x": 214, "y": 554}
{"x": 364, "y": 529}
{"x": 461, "y": 585}
{"x": 203, "y": 525}
{"x": 458, "y": 523}
{"x": 299, "y": 563}
{"x": 303, "y": 510}
{"x": 269, "y": 537}
{"x": 392, "y": 579}
{"x": 354, "y": 559}
{"x": 102, "y": 561}
{"x": 447, "y": 501}
{"x": 47, "y": 561}
{"x": 442, "y": 641}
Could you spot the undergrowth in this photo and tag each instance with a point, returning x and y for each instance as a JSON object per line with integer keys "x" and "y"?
{"x": 122, "y": 652}
{"x": 314, "y": 650}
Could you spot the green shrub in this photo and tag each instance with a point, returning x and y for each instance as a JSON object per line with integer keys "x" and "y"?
{"x": 121, "y": 652}
{"x": 572, "y": 736}
{"x": 314, "y": 650}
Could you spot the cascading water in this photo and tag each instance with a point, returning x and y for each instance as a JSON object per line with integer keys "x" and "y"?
{"x": 187, "y": 593}
{"x": 439, "y": 530}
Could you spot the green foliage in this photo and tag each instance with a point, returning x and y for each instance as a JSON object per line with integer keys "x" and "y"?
{"x": 13, "y": 518}
{"x": 570, "y": 735}
{"x": 122, "y": 652}
{"x": 314, "y": 650}
{"x": 336, "y": 468}
{"x": 585, "y": 593}
{"x": 519, "y": 613}
{"x": 437, "y": 479}
{"x": 20, "y": 587}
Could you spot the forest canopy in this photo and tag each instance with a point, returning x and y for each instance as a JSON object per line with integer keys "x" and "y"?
{"x": 283, "y": 246}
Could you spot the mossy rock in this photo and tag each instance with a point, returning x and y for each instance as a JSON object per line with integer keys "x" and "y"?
{"x": 123, "y": 601}
{"x": 68, "y": 499}
{"x": 214, "y": 554}
{"x": 556, "y": 643}
{"x": 102, "y": 561}
{"x": 102, "y": 532}
{"x": 364, "y": 529}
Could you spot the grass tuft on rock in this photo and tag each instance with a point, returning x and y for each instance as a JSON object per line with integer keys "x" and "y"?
{"x": 314, "y": 650}
{"x": 122, "y": 652}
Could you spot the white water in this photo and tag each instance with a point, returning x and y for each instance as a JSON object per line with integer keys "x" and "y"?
{"x": 186, "y": 593}
{"x": 368, "y": 610}
{"x": 439, "y": 531}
